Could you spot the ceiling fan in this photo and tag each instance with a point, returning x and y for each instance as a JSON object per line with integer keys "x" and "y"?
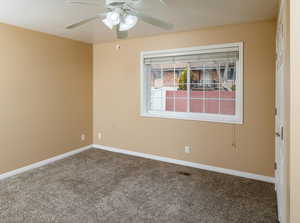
{"x": 121, "y": 15}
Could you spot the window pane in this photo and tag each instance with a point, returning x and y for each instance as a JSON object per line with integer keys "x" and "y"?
{"x": 173, "y": 74}
{"x": 196, "y": 89}
{"x": 168, "y": 75}
{"x": 212, "y": 101}
{"x": 181, "y": 98}
{"x": 196, "y": 77}
{"x": 197, "y": 105}
{"x": 231, "y": 72}
{"x": 157, "y": 103}
{"x": 228, "y": 90}
{"x": 155, "y": 76}
{"x": 181, "y": 102}
{"x": 228, "y": 97}
{"x": 170, "y": 100}
{"x": 211, "y": 80}
{"x": 197, "y": 99}
{"x": 228, "y": 107}
{"x": 180, "y": 93}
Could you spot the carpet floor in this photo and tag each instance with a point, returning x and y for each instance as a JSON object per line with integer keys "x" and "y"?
{"x": 98, "y": 186}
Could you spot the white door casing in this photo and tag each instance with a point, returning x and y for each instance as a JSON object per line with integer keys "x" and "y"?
{"x": 280, "y": 116}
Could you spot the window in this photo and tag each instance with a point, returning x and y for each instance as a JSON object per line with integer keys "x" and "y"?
{"x": 200, "y": 83}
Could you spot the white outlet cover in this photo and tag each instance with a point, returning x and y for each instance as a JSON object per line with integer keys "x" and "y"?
{"x": 82, "y": 137}
{"x": 99, "y": 135}
{"x": 188, "y": 149}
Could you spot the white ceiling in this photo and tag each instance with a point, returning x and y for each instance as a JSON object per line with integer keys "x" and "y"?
{"x": 51, "y": 16}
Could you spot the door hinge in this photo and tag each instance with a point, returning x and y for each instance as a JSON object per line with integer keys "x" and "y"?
{"x": 275, "y": 166}
{"x": 276, "y": 112}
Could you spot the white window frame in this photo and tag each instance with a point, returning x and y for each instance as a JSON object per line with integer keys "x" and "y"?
{"x": 232, "y": 119}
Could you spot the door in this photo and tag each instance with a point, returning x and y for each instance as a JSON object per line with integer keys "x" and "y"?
{"x": 279, "y": 144}
{"x": 279, "y": 118}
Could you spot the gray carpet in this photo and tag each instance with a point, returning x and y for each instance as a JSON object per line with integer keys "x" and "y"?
{"x": 97, "y": 186}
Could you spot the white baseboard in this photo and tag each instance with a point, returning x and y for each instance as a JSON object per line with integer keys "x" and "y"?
{"x": 143, "y": 155}
{"x": 189, "y": 164}
{"x": 43, "y": 162}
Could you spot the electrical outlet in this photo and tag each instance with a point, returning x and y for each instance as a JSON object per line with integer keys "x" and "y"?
{"x": 187, "y": 149}
{"x": 82, "y": 137}
{"x": 99, "y": 135}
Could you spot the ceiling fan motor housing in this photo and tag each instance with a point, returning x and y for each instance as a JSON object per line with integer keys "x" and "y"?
{"x": 117, "y": 3}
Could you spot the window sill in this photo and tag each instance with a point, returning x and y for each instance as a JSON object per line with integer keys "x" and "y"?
{"x": 228, "y": 119}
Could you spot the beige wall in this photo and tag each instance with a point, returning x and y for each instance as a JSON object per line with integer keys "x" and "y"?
{"x": 116, "y": 102}
{"x": 45, "y": 99}
{"x": 295, "y": 112}
{"x": 45, "y": 96}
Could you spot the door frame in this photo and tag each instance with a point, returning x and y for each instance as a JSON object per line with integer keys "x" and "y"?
{"x": 280, "y": 143}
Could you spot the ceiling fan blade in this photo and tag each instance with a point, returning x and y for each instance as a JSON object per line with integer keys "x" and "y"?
{"x": 78, "y": 2}
{"x": 163, "y": 2}
{"x": 82, "y": 22}
{"x": 121, "y": 34}
{"x": 153, "y": 21}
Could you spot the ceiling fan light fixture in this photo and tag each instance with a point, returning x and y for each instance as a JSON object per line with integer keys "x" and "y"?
{"x": 108, "y": 23}
{"x": 114, "y": 17}
{"x": 128, "y": 22}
